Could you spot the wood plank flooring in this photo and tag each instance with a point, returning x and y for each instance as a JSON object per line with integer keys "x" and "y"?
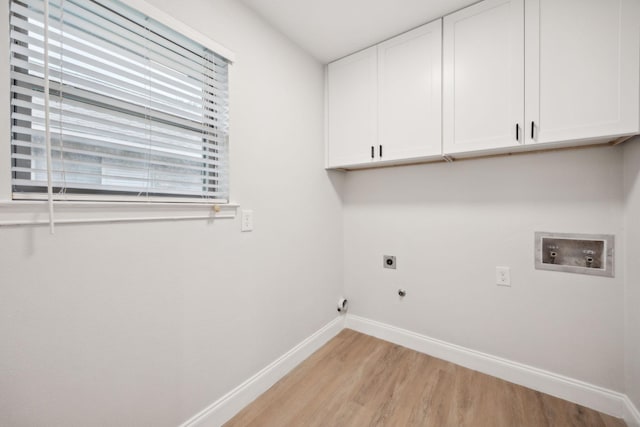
{"x": 358, "y": 380}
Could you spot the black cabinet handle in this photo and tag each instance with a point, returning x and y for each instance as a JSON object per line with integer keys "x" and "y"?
{"x": 517, "y": 132}
{"x": 381, "y": 151}
{"x": 532, "y": 126}
{"x": 372, "y": 152}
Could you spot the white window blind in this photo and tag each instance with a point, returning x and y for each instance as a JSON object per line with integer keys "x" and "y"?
{"x": 136, "y": 110}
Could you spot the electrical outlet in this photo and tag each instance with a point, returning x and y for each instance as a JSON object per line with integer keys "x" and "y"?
{"x": 503, "y": 276}
{"x": 247, "y": 220}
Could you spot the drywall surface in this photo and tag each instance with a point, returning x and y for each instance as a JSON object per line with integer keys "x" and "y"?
{"x": 146, "y": 324}
{"x": 450, "y": 225}
{"x": 632, "y": 296}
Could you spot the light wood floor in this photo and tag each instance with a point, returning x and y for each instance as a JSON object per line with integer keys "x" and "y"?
{"x": 358, "y": 380}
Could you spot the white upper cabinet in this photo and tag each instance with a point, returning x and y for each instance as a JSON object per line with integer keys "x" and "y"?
{"x": 384, "y": 103}
{"x": 483, "y": 77}
{"x": 578, "y": 83}
{"x": 410, "y": 94}
{"x": 352, "y": 108}
{"x": 582, "y": 69}
{"x": 498, "y": 76}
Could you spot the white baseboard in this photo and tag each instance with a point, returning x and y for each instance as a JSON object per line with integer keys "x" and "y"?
{"x": 631, "y": 413}
{"x": 582, "y": 393}
{"x": 231, "y": 403}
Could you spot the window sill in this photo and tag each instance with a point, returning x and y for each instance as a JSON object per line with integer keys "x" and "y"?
{"x": 23, "y": 212}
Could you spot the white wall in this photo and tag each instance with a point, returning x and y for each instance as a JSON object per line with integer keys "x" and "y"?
{"x": 632, "y": 295}
{"x": 148, "y": 323}
{"x": 450, "y": 225}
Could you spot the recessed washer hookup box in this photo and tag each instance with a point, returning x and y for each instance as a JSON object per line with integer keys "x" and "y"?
{"x": 575, "y": 253}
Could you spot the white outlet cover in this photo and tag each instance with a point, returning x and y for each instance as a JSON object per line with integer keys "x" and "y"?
{"x": 503, "y": 276}
{"x": 246, "y": 220}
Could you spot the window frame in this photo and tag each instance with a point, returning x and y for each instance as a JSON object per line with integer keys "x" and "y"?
{"x": 97, "y": 195}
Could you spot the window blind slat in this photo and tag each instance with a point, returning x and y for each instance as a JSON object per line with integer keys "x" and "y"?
{"x": 166, "y": 141}
{"x": 113, "y": 27}
{"x": 186, "y": 141}
{"x": 162, "y": 177}
{"x": 136, "y": 163}
{"x": 213, "y": 121}
{"x": 121, "y": 105}
{"x": 110, "y": 86}
{"x": 110, "y": 188}
{"x": 142, "y": 29}
{"x": 71, "y": 109}
{"x": 122, "y": 55}
{"x": 75, "y": 64}
{"x": 110, "y": 38}
{"x": 102, "y": 52}
{"x": 80, "y": 146}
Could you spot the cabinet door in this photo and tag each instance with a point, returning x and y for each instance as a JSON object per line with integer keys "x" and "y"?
{"x": 483, "y": 77}
{"x": 352, "y": 109}
{"x": 410, "y": 94}
{"x": 582, "y": 69}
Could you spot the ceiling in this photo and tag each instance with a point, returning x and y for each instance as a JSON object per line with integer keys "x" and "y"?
{"x": 331, "y": 29}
